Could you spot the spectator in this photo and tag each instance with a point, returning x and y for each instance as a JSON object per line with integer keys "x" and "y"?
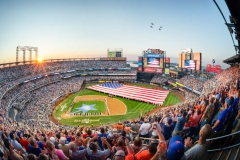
{"x": 63, "y": 146}
{"x": 175, "y": 149}
{"x": 180, "y": 124}
{"x": 208, "y": 114}
{"x": 167, "y": 128}
{"x": 17, "y": 145}
{"x": 23, "y": 141}
{"x": 55, "y": 153}
{"x": 135, "y": 130}
{"x": 76, "y": 154}
{"x": 94, "y": 153}
{"x": 144, "y": 129}
{"x": 198, "y": 151}
{"x": 221, "y": 120}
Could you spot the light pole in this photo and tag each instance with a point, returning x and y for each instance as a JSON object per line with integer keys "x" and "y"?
{"x": 213, "y": 61}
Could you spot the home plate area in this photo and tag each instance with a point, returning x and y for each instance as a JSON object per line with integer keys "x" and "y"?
{"x": 95, "y": 105}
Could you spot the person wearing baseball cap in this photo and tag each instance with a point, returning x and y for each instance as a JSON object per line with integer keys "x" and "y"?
{"x": 175, "y": 149}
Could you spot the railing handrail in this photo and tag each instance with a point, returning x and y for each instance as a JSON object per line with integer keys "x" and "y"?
{"x": 223, "y": 136}
{"x": 235, "y": 145}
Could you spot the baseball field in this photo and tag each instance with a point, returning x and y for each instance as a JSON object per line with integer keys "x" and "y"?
{"x": 88, "y": 107}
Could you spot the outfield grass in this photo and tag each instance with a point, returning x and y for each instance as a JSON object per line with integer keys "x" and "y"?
{"x": 98, "y": 105}
{"x": 133, "y": 109}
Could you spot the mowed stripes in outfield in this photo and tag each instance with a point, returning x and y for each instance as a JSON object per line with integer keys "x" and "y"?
{"x": 132, "y": 92}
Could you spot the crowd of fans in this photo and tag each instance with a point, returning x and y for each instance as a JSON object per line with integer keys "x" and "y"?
{"x": 159, "y": 79}
{"x": 192, "y": 82}
{"x": 172, "y": 130}
{"x": 20, "y": 71}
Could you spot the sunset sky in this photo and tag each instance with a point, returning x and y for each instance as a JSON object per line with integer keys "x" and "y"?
{"x": 86, "y": 28}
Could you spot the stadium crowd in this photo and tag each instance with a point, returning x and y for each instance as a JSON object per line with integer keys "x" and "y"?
{"x": 192, "y": 82}
{"x": 21, "y": 71}
{"x": 172, "y": 130}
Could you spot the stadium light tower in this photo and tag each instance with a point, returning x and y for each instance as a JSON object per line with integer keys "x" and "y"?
{"x": 24, "y": 49}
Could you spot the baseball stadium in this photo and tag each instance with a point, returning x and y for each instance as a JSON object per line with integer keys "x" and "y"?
{"x": 85, "y": 101}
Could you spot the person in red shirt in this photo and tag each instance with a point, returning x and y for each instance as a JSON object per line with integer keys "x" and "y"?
{"x": 23, "y": 141}
{"x": 88, "y": 134}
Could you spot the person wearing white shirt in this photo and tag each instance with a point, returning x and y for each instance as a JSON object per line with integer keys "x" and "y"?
{"x": 144, "y": 129}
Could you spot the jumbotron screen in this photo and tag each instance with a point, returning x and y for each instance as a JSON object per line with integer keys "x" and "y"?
{"x": 153, "y": 62}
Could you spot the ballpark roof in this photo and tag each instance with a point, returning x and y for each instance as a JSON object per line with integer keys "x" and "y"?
{"x": 234, "y": 9}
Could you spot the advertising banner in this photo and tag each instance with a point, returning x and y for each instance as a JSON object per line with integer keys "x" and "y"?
{"x": 172, "y": 83}
{"x": 166, "y": 70}
{"x": 180, "y": 60}
{"x": 111, "y": 54}
{"x": 153, "y": 55}
{"x": 196, "y": 92}
{"x": 167, "y": 60}
{"x": 180, "y": 84}
{"x": 181, "y": 89}
{"x": 150, "y": 69}
{"x": 161, "y": 63}
{"x": 139, "y": 68}
{"x": 145, "y": 61}
{"x": 140, "y": 59}
{"x": 159, "y": 70}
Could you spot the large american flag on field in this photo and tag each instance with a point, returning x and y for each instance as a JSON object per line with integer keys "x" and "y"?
{"x": 190, "y": 64}
{"x": 132, "y": 92}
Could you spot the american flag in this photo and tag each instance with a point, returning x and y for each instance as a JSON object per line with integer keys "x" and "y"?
{"x": 190, "y": 64}
{"x": 132, "y": 92}
{"x": 153, "y": 62}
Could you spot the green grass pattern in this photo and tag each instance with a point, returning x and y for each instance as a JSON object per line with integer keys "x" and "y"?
{"x": 133, "y": 109}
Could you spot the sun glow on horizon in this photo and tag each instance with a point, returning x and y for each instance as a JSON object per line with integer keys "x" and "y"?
{"x": 40, "y": 60}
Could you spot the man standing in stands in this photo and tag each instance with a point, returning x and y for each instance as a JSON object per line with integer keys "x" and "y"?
{"x": 135, "y": 130}
{"x": 144, "y": 129}
{"x": 180, "y": 124}
{"x": 208, "y": 113}
{"x": 200, "y": 149}
{"x": 222, "y": 119}
{"x": 94, "y": 153}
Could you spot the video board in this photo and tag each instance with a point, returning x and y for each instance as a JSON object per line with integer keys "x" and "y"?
{"x": 153, "y": 61}
{"x": 190, "y": 60}
{"x": 189, "y": 64}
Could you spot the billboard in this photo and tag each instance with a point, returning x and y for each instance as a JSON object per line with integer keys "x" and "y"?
{"x": 189, "y": 64}
{"x": 166, "y": 70}
{"x": 139, "y": 68}
{"x": 215, "y": 69}
{"x": 140, "y": 64}
{"x": 153, "y": 62}
{"x": 111, "y": 54}
{"x": 153, "y": 70}
{"x": 145, "y": 62}
{"x": 194, "y": 58}
{"x": 161, "y": 63}
{"x": 180, "y": 60}
{"x": 167, "y": 60}
{"x": 151, "y": 55}
{"x": 118, "y": 54}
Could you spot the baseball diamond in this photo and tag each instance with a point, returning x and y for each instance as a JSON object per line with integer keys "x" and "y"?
{"x": 92, "y": 107}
